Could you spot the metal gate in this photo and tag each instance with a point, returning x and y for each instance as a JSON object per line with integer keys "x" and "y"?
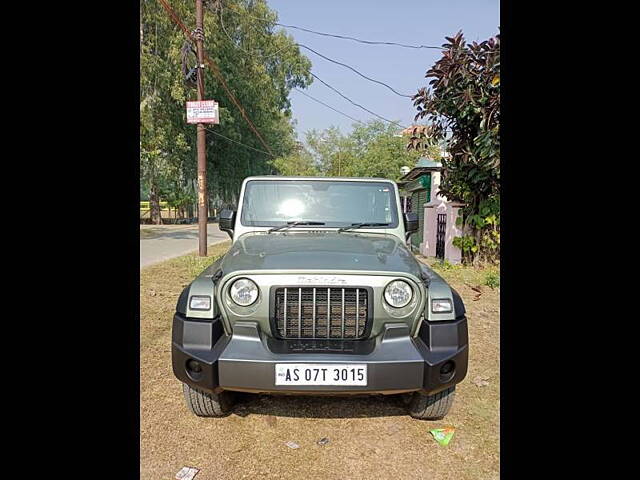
{"x": 440, "y": 231}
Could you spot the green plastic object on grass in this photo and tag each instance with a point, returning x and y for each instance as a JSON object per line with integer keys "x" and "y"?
{"x": 443, "y": 435}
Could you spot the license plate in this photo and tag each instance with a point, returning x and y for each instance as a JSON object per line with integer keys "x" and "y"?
{"x": 320, "y": 374}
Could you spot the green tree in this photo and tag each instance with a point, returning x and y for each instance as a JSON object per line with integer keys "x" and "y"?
{"x": 463, "y": 108}
{"x": 373, "y": 149}
{"x": 261, "y": 81}
{"x": 299, "y": 163}
{"x": 332, "y": 151}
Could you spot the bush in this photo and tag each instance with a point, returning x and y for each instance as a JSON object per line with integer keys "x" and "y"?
{"x": 444, "y": 265}
{"x": 492, "y": 279}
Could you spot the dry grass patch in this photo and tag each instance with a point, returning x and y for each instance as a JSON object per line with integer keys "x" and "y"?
{"x": 369, "y": 437}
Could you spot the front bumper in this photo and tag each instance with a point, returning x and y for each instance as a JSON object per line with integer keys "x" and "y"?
{"x": 245, "y": 360}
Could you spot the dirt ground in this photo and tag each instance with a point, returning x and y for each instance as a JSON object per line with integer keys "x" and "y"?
{"x": 369, "y": 437}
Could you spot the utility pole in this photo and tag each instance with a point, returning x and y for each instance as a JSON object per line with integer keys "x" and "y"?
{"x": 201, "y": 132}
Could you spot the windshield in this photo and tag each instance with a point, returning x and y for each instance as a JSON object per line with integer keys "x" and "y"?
{"x": 269, "y": 203}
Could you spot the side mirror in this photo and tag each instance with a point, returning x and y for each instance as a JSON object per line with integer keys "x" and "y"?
{"x": 227, "y": 221}
{"x": 411, "y": 223}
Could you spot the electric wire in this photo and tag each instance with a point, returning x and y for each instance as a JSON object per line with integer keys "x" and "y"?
{"x": 342, "y": 37}
{"x": 216, "y": 71}
{"x": 245, "y": 50}
{"x": 354, "y": 70}
{"x": 354, "y": 103}
{"x": 239, "y": 143}
{"x": 368, "y": 42}
{"x": 329, "y": 86}
{"x": 322, "y": 56}
{"x": 329, "y": 106}
{"x": 317, "y": 53}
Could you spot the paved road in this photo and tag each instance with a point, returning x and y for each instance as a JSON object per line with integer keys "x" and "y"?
{"x": 161, "y": 242}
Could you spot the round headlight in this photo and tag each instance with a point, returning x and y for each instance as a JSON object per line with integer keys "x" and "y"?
{"x": 398, "y": 294}
{"x": 244, "y": 292}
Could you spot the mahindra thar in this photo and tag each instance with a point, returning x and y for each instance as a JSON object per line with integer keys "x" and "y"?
{"x": 319, "y": 294}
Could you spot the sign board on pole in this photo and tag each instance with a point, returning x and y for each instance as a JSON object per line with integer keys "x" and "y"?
{"x": 205, "y": 111}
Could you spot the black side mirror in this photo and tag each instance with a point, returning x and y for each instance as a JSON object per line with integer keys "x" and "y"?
{"x": 411, "y": 223}
{"x": 227, "y": 221}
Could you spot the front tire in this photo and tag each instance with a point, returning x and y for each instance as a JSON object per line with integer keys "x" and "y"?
{"x": 205, "y": 404}
{"x": 432, "y": 407}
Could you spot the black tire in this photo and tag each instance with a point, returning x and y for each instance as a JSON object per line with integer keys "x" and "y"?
{"x": 432, "y": 407}
{"x": 205, "y": 404}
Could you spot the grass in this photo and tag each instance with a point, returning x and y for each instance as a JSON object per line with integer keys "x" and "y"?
{"x": 369, "y": 437}
{"x": 487, "y": 275}
{"x": 492, "y": 280}
{"x": 194, "y": 265}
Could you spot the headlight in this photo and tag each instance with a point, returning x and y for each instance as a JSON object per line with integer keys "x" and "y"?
{"x": 398, "y": 294}
{"x": 199, "y": 302}
{"x": 244, "y": 292}
{"x": 441, "y": 305}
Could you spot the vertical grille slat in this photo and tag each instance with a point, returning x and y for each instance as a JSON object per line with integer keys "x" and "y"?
{"x": 299, "y": 312}
{"x": 316, "y": 313}
{"x": 357, "y": 311}
{"x": 313, "y": 333}
{"x": 328, "y": 312}
{"x": 285, "y": 312}
{"x": 342, "y": 311}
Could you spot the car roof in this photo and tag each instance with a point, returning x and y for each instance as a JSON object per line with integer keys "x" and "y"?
{"x": 341, "y": 179}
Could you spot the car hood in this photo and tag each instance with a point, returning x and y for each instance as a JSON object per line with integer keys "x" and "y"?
{"x": 318, "y": 250}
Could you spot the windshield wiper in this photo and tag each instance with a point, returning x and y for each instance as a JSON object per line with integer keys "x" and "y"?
{"x": 293, "y": 224}
{"x": 360, "y": 225}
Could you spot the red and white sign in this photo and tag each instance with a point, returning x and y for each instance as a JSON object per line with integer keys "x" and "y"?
{"x": 205, "y": 111}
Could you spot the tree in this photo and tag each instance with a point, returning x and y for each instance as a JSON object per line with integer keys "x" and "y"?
{"x": 298, "y": 163}
{"x": 260, "y": 66}
{"x": 463, "y": 107}
{"x": 373, "y": 149}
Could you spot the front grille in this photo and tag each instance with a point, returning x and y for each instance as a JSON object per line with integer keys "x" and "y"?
{"x": 314, "y": 312}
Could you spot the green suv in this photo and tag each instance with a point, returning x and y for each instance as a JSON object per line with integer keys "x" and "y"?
{"x": 319, "y": 294}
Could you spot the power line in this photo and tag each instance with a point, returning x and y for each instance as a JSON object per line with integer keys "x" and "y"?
{"x": 368, "y": 42}
{"x": 329, "y": 106}
{"x": 325, "y": 83}
{"x": 330, "y": 60}
{"x": 317, "y": 53}
{"x": 354, "y": 103}
{"x": 354, "y": 70}
{"x": 239, "y": 143}
{"x": 342, "y": 37}
{"x": 244, "y": 50}
{"x": 216, "y": 71}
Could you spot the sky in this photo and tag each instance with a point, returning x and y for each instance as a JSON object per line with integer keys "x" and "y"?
{"x": 424, "y": 22}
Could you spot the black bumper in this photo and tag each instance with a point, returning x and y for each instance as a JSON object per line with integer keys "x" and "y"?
{"x": 245, "y": 361}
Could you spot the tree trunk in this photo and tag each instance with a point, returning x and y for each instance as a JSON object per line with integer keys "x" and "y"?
{"x": 477, "y": 232}
{"x": 154, "y": 204}
{"x": 477, "y": 257}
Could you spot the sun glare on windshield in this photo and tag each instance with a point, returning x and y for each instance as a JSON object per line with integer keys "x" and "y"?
{"x": 291, "y": 208}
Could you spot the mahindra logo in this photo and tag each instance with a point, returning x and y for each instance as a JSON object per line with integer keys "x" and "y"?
{"x": 321, "y": 280}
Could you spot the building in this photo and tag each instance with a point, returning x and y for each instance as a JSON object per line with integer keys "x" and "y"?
{"x": 415, "y": 188}
{"x": 436, "y": 214}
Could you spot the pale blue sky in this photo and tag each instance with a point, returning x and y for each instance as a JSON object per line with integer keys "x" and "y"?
{"x": 424, "y": 22}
